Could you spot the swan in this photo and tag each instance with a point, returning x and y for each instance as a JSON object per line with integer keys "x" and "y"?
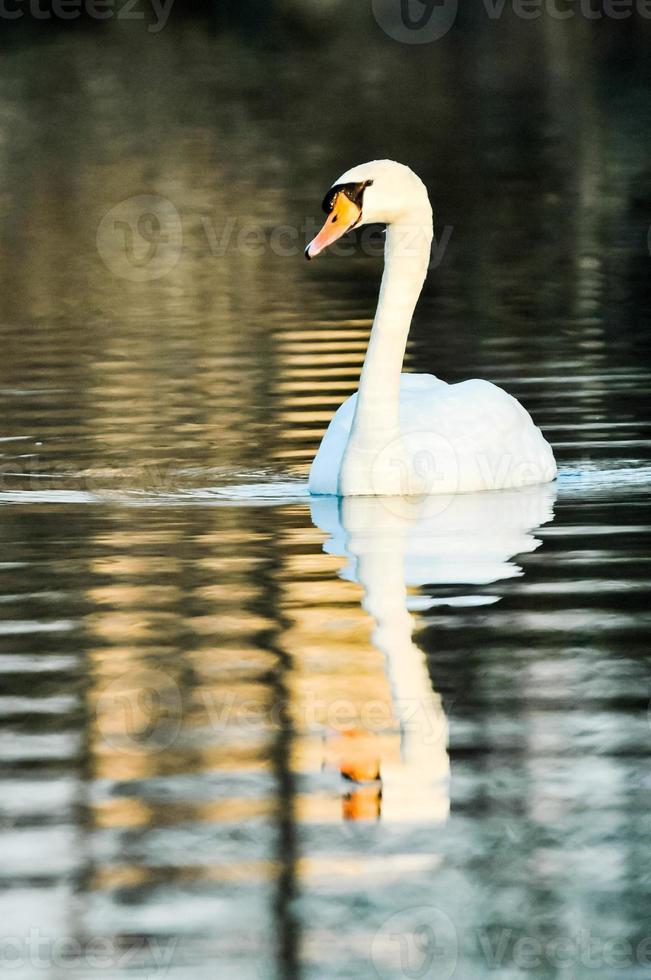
{"x": 413, "y": 433}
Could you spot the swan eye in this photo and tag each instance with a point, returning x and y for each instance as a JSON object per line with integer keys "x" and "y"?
{"x": 354, "y": 192}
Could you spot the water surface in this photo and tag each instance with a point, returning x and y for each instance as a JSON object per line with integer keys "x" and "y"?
{"x": 246, "y": 734}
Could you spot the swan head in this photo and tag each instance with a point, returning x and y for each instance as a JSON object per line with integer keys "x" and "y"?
{"x": 379, "y": 192}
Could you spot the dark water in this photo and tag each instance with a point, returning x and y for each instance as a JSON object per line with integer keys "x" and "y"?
{"x": 194, "y": 660}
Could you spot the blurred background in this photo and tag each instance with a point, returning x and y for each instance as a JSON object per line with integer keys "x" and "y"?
{"x": 169, "y": 364}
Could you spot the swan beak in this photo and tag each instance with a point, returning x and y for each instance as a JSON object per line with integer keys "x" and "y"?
{"x": 344, "y": 215}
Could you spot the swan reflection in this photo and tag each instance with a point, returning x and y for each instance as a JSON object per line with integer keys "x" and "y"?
{"x": 400, "y": 770}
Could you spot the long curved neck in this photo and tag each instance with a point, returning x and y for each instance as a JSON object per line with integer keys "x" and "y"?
{"x": 406, "y": 258}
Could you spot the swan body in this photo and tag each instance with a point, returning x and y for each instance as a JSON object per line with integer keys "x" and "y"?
{"x": 453, "y": 438}
{"x": 414, "y": 433}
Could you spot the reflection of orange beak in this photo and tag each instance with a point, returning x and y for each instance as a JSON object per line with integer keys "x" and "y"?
{"x": 360, "y": 764}
{"x": 362, "y": 803}
{"x": 358, "y": 758}
{"x": 344, "y": 215}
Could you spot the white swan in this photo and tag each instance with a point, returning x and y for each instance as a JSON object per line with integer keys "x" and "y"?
{"x": 413, "y": 433}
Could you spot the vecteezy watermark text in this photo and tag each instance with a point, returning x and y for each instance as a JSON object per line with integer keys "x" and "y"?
{"x": 533, "y": 952}
{"x": 143, "y": 709}
{"x": 41, "y": 952}
{"x": 142, "y": 238}
{"x": 424, "y": 941}
{"x": 425, "y": 21}
{"x": 94, "y": 9}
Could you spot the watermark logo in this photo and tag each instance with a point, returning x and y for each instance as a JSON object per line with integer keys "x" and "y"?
{"x": 421, "y": 472}
{"x": 415, "y": 21}
{"x": 140, "y": 239}
{"x": 416, "y": 470}
{"x": 425, "y": 21}
{"x": 140, "y": 710}
{"x": 143, "y": 710}
{"x": 416, "y": 943}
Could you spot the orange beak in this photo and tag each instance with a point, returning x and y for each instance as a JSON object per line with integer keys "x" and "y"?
{"x": 344, "y": 216}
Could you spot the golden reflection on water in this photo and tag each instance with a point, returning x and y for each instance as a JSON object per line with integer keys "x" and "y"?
{"x": 179, "y": 688}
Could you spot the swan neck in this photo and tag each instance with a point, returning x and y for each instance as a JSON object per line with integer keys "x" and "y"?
{"x": 406, "y": 259}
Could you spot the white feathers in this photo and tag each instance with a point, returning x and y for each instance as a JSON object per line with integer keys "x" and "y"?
{"x": 453, "y": 438}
